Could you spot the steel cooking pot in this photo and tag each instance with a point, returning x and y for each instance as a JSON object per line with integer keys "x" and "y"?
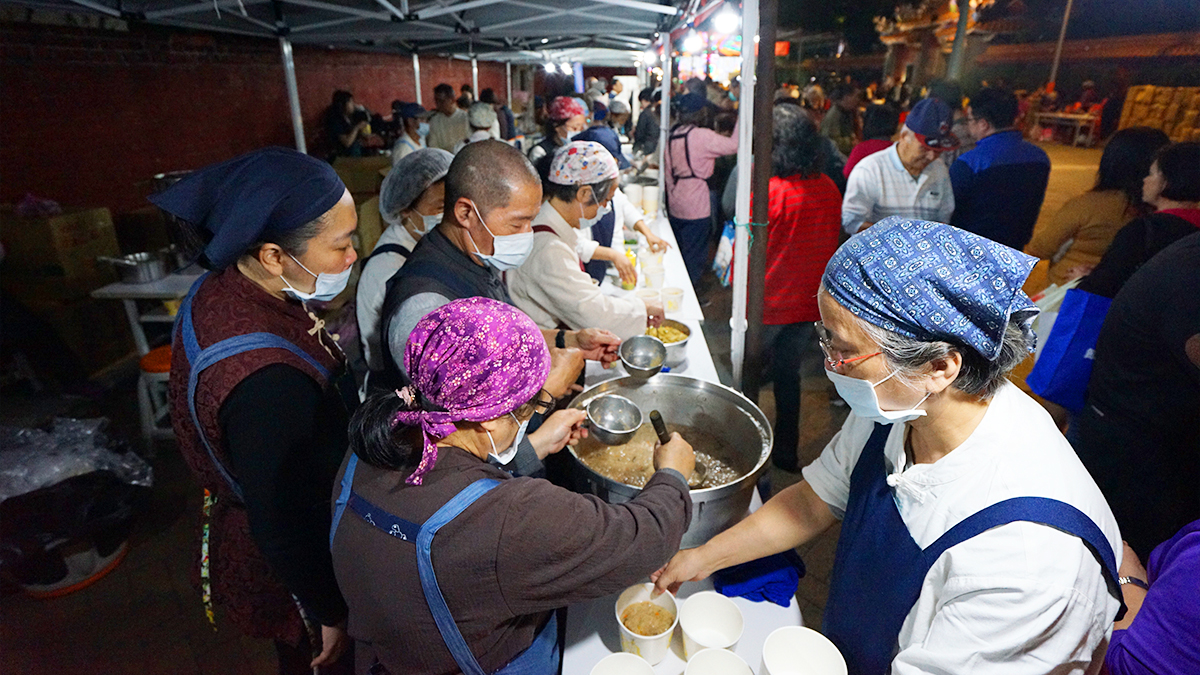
{"x": 138, "y": 268}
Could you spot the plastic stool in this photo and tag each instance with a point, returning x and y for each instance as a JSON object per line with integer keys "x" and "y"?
{"x": 152, "y": 396}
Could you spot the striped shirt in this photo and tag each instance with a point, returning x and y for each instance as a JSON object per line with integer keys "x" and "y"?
{"x": 802, "y": 234}
{"x": 880, "y": 186}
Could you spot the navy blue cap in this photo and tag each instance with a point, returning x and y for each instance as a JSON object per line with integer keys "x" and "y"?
{"x": 407, "y": 110}
{"x": 931, "y": 119}
{"x": 609, "y": 139}
{"x": 690, "y": 103}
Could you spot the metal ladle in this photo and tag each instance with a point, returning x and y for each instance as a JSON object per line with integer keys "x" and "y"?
{"x": 700, "y": 471}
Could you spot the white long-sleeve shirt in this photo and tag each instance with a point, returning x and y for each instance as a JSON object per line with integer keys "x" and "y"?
{"x": 1019, "y": 598}
{"x": 372, "y": 287}
{"x": 880, "y": 186}
{"x": 552, "y": 289}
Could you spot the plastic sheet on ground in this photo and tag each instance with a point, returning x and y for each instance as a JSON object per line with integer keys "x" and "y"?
{"x": 31, "y": 459}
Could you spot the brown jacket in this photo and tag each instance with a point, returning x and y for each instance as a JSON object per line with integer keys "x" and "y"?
{"x": 519, "y": 552}
{"x": 1077, "y": 236}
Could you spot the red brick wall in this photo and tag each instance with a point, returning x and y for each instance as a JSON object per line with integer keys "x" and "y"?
{"x": 87, "y": 117}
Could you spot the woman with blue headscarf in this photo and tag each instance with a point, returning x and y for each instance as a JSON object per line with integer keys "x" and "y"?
{"x": 260, "y": 396}
{"x": 972, "y": 538}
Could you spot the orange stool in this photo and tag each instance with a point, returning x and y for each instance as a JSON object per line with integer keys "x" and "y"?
{"x": 152, "y": 395}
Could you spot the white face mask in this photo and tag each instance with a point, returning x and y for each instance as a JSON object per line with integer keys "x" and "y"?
{"x": 572, "y": 134}
{"x": 423, "y": 129}
{"x": 328, "y": 285}
{"x": 587, "y": 223}
{"x": 508, "y": 454}
{"x": 427, "y": 223}
{"x": 860, "y": 396}
{"x": 509, "y": 251}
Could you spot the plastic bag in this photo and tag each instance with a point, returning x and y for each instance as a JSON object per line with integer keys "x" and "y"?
{"x": 1048, "y": 301}
{"x": 31, "y": 459}
{"x": 723, "y": 261}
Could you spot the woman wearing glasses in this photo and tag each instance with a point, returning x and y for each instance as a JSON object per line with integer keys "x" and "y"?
{"x": 972, "y": 538}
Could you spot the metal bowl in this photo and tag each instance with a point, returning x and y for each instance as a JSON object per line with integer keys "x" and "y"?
{"x": 138, "y": 268}
{"x": 676, "y": 351}
{"x": 613, "y": 419}
{"x": 643, "y": 356}
{"x": 700, "y": 405}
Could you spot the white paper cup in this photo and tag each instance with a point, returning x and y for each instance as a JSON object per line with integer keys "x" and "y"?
{"x": 709, "y": 620}
{"x": 652, "y": 648}
{"x": 622, "y": 664}
{"x": 672, "y": 299}
{"x": 655, "y": 276}
{"x": 633, "y": 192}
{"x": 650, "y": 200}
{"x": 795, "y": 650}
{"x": 648, "y": 295}
{"x": 717, "y": 662}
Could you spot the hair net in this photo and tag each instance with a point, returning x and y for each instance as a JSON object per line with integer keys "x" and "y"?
{"x": 409, "y": 177}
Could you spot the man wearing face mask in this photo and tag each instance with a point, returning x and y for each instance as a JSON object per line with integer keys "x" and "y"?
{"x": 260, "y": 394}
{"x": 414, "y": 129}
{"x": 552, "y": 287}
{"x": 941, "y": 454}
{"x": 411, "y": 204}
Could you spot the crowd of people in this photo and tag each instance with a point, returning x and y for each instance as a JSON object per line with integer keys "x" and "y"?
{"x": 899, "y": 245}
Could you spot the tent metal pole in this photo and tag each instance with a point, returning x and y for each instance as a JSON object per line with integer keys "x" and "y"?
{"x": 289, "y": 77}
{"x": 417, "y": 76}
{"x": 664, "y": 128}
{"x": 475, "y": 78}
{"x": 745, "y": 168}
{"x": 1062, "y": 35}
{"x": 508, "y": 82}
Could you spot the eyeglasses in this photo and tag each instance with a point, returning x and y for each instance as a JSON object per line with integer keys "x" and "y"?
{"x": 834, "y": 358}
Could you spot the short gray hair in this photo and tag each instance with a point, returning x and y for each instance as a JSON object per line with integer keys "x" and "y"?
{"x": 977, "y": 376}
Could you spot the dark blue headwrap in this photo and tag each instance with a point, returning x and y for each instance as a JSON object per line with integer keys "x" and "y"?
{"x": 266, "y": 191}
{"x": 931, "y": 281}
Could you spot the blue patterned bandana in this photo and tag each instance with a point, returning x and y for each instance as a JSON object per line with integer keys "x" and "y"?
{"x": 931, "y": 281}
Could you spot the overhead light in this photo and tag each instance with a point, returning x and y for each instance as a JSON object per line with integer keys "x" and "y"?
{"x": 693, "y": 42}
{"x": 545, "y": 40}
{"x": 651, "y": 57}
{"x": 550, "y": 68}
{"x": 566, "y": 69}
{"x": 726, "y": 21}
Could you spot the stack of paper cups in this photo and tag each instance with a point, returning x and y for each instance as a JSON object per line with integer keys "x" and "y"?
{"x": 633, "y": 192}
{"x": 650, "y": 199}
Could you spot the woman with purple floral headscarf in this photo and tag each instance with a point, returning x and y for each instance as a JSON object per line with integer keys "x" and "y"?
{"x": 449, "y": 564}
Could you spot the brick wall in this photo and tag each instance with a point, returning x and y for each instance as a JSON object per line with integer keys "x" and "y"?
{"x": 87, "y": 117}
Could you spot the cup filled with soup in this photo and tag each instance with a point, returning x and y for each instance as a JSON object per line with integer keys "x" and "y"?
{"x": 646, "y": 623}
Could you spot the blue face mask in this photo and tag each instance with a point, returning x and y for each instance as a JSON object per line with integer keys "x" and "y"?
{"x": 328, "y": 285}
{"x": 423, "y": 129}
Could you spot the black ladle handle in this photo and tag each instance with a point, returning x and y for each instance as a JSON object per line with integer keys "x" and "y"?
{"x": 660, "y": 427}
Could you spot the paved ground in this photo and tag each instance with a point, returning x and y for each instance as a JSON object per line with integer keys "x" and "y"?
{"x": 146, "y": 619}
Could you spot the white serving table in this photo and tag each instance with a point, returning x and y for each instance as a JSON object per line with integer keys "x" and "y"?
{"x": 171, "y": 287}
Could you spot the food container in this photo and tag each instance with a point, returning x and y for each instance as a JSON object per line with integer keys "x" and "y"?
{"x": 677, "y": 351}
{"x": 655, "y": 276}
{"x": 622, "y": 664}
{"x": 717, "y": 662}
{"x": 633, "y": 192}
{"x": 138, "y": 268}
{"x": 613, "y": 420}
{"x": 650, "y": 200}
{"x": 643, "y": 356}
{"x": 648, "y": 295}
{"x": 652, "y": 648}
{"x": 710, "y": 621}
{"x": 650, "y": 258}
{"x": 672, "y": 299}
{"x": 795, "y": 650}
{"x": 698, "y": 404}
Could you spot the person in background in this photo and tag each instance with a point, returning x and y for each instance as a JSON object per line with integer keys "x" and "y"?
{"x": 448, "y": 125}
{"x": 506, "y": 552}
{"x": 999, "y": 186}
{"x": 564, "y": 118}
{"x": 904, "y": 180}
{"x": 552, "y": 286}
{"x": 1079, "y": 234}
{"x": 1139, "y": 432}
{"x": 948, "y": 92}
{"x": 597, "y": 92}
{"x": 803, "y": 223}
{"x": 468, "y": 92}
{"x": 692, "y": 148}
{"x": 879, "y": 127}
{"x": 261, "y": 420}
{"x": 344, "y": 125}
{"x": 842, "y": 124}
{"x": 645, "y": 133}
{"x": 411, "y": 205}
{"x": 618, "y": 115}
{"x": 813, "y": 99}
{"x": 1158, "y": 633}
{"x": 972, "y": 539}
{"x": 482, "y": 120}
{"x": 504, "y": 114}
{"x": 414, "y": 129}
{"x": 1088, "y": 95}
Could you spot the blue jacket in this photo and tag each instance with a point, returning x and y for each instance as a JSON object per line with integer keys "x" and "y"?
{"x": 999, "y": 187}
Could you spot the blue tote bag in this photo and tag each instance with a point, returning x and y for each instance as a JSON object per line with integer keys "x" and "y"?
{"x": 1064, "y": 366}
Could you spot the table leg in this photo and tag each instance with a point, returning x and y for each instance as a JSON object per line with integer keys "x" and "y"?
{"x": 135, "y": 325}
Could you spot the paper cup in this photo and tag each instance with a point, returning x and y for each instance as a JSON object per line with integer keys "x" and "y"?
{"x": 649, "y": 258}
{"x": 648, "y": 295}
{"x": 622, "y": 664}
{"x": 655, "y": 276}
{"x": 794, "y": 650}
{"x": 650, "y": 200}
{"x": 709, "y": 620}
{"x": 652, "y": 648}
{"x": 633, "y": 192}
{"x": 672, "y": 299}
{"x": 717, "y": 662}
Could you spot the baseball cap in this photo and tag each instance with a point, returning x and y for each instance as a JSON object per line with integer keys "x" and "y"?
{"x": 931, "y": 119}
{"x": 609, "y": 139}
{"x": 407, "y": 110}
{"x": 690, "y": 103}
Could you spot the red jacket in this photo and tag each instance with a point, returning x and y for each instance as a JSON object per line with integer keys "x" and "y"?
{"x": 805, "y": 218}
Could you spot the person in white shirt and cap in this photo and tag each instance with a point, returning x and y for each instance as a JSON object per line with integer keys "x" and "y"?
{"x": 552, "y": 286}
{"x": 411, "y": 204}
{"x": 414, "y": 128}
{"x": 483, "y": 122}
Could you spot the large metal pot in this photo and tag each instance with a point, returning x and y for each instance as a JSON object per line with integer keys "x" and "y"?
{"x": 138, "y": 268}
{"x": 699, "y": 404}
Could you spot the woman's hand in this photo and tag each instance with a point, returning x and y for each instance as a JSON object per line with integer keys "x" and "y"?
{"x": 654, "y": 313}
{"x": 657, "y": 244}
{"x": 687, "y": 565}
{"x": 1131, "y": 565}
{"x": 333, "y": 642}
{"x": 625, "y": 269}
{"x": 559, "y": 430}
{"x": 565, "y": 366}
{"x": 596, "y": 344}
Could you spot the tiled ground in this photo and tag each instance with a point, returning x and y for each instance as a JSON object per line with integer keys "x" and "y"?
{"x": 145, "y": 618}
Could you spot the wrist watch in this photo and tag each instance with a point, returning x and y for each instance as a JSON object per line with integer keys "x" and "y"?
{"x": 1134, "y": 581}
{"x": 560, "y": 340}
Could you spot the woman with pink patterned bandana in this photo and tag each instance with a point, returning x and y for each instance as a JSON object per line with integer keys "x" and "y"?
{"x": 449, "y": 564}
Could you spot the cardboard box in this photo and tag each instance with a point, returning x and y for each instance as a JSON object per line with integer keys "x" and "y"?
{"x": 61, "y": 246}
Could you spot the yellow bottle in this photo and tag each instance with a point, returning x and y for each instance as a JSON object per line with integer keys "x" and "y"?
{"x": 630, "y": 285}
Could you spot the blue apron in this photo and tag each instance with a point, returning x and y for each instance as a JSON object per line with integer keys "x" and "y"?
{"x": 541, "y": 658}
{"x": 878, "y": 570}
{"x": 201, "y": 359}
